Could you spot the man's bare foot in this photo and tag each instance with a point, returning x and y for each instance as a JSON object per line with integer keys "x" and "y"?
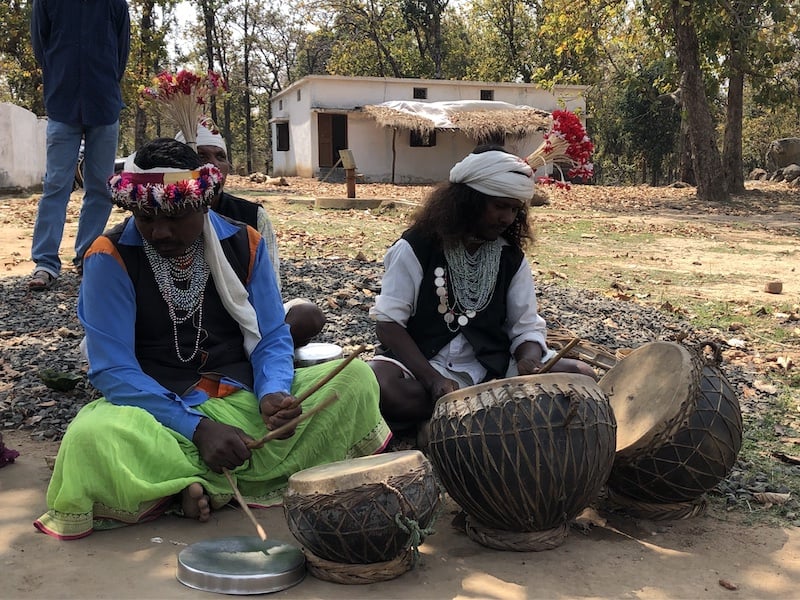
{"x": 196, "y": 504}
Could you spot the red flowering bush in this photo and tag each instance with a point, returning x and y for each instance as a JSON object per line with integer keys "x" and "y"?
{"x": 565, "y": 143}
{"x": 182, "y": 96}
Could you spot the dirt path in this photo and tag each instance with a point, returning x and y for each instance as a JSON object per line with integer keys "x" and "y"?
{"x": 626, "y": 558}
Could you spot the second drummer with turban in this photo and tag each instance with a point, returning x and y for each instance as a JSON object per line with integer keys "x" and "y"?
{"x": 458, "y": 304}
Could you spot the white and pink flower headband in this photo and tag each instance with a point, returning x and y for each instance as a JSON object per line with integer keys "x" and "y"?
{"x": 165, "y": 190}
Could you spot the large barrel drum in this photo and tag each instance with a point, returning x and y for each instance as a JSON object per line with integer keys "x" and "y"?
{"x": 679, "y": 424}
{"x": 526, "y": 453}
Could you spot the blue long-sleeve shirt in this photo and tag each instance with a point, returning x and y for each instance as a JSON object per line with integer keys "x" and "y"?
{"x": 82, "y": 47}
{"x": 107, "y": 310}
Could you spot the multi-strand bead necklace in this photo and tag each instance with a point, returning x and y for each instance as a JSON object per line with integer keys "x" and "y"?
{"x": 473, "y": 278}
{"x": 182, "y": 281}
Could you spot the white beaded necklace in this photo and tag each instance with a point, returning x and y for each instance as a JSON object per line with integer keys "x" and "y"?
{"x": 473, "y": 278}
{"x": 181, "y": 281}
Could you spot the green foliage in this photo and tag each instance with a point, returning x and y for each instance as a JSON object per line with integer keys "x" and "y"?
{"x": 574, "y": 39}
{"x": 762, "y": 124}
{"x": 314, "y": 53}
{"x": 373, "y": 39}
{"x": 20, "y": 75}
{"x": 622, "y": 50}
{"x": 503, "y": 40}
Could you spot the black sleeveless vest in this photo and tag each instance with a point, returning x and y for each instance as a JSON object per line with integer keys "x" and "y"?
{"x": 238, "y": 209}
{"x": 485, "y": 332}
{"x": 221, "y": 343}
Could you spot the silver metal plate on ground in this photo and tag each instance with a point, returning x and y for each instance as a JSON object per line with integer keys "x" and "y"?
{"x": 241, "y": 565}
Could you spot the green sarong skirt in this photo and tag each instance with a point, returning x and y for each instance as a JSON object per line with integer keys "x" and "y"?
{"x": 117, "y": 465}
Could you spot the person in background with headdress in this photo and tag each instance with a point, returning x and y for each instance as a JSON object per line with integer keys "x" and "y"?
{"x": 305, "y": 319}
{"x": 458, "y": 303}
{"x": 186, "y": 340}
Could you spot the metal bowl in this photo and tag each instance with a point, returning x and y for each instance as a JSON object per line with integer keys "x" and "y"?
{"x": 240, "y": 565}
{"x": 316, "y": 353}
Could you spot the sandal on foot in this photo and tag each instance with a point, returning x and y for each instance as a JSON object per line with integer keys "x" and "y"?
{"x": 41, "y": 280}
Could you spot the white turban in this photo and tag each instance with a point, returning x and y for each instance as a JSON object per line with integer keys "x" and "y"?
{"x": 495, "y": 173}
{"x": 207, "y": 135}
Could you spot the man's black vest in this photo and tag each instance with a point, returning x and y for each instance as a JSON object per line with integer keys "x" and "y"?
{"x": 485, "y": 332}
{"x": 238, "y": 209}
{"x": 221, "y": 342}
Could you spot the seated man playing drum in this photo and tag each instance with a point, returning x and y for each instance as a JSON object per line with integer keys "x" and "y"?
{"x": 305, "y": 319}
{"x": 186, "y": 340}
{"x": 458, "y": 304}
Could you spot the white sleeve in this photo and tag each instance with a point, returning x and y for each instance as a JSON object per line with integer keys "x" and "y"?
{"x": 402, "y": 277}
{"x": 523, "y": 322}
{"x": 267, "y": 232}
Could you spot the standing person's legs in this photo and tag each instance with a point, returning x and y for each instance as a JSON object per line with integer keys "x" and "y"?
{"x": 100, "y": 152}
{"x": 63, "y": 143}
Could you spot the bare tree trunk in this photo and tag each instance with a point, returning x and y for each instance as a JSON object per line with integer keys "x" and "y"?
{"x": 145, "y": 62}
{"x": 685, "y": 168}
{"x": 248, "y": 117}
{"x": 705, "y": 154}
{"x": 208, "y": 29}
{"x": 732, "y": 146}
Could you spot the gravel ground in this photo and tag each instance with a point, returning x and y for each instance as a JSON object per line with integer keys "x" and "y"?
{"x": 40, "y": 333}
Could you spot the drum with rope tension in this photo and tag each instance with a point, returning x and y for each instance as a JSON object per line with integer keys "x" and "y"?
{"x": 523, "y": 456}
{"x": 679, "y": 423}
{"x": 361, "y": 520}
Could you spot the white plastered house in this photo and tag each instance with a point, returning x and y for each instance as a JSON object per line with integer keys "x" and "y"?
{"x": 406, "y": 130}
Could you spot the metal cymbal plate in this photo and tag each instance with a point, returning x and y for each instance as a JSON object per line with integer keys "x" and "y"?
{"x": 240, "y": 565}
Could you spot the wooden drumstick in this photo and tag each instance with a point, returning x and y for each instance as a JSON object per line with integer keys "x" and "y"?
{"x": 559, "y": 355}
{"x": 278, "y": 431}
{"x": 323, "y": 380}
{"x": 259, "y": 529}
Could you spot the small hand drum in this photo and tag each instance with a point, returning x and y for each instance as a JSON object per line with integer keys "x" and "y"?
{"x": 363, "y": 511}
{"x": 523, "y": 454}
{"x": 679, "y": 424}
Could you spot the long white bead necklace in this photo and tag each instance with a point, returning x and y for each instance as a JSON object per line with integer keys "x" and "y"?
{"x": 182, "y": 281}
{"x": 473, "y": 278}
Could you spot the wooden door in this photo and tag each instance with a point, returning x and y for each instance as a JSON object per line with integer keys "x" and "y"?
{"x": 332, "y": 137}
{"x": 325, "y": 133}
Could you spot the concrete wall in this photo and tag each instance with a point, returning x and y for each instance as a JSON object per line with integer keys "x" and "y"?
{"x": 22, "y": 148}
{"x": 299, "y": 104}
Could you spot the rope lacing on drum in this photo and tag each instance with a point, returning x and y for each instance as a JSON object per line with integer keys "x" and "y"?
{"x": 410, "y": 526}
{"x": 417, "y": 534}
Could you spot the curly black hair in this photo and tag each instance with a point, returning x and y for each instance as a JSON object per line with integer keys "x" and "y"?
{"x": 167, "y": 152}
{"x": 451, "y": 210}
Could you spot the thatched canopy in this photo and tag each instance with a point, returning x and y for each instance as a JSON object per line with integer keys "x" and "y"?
{"x": 398, "y": 119}
{"x": 477, "y": 120}
{"x": 486, "y": 124}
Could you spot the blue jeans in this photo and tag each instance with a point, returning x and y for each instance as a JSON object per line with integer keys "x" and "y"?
{"x": 63, "y": 144}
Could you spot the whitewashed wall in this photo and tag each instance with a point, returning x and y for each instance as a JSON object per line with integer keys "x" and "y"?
{"x": 22, "y": 148}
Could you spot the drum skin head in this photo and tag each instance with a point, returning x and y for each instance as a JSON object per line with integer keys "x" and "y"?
{"x": 350, "y": 512}
{"x": 646, "y": 389}
{"x": 464, "y": 401}
{"x": 349, "y": 474}
{"x": 240, "y": 565}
